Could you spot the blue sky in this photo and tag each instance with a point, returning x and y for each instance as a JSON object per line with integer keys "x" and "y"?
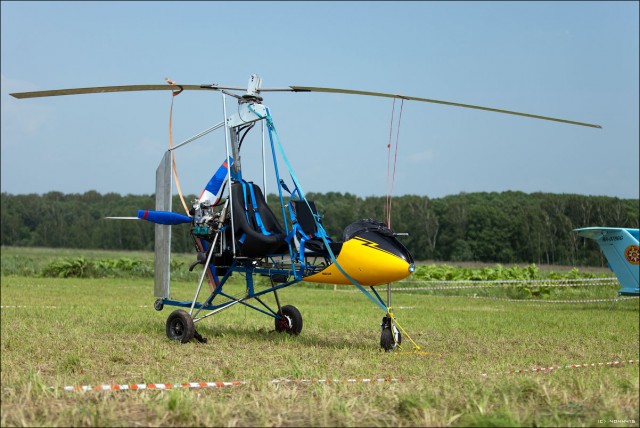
{"x": 573, "y": 60}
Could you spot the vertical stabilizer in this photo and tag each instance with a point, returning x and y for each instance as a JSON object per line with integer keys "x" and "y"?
{"x": 620, "y": 247}
{"x": 162, "y": 263}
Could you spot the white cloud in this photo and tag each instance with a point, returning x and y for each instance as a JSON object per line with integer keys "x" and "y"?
{"x": 20, "y": 118}
{"x": 14, "y": 85}
{"x": 424, "y": 156}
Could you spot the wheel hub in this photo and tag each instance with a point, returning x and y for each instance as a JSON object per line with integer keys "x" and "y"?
{"x": 178, "y": 328}
{"x": 285, "y": 322}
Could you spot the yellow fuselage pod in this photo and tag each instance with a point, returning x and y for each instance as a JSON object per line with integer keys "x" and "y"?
{"x": 366, "y": 263}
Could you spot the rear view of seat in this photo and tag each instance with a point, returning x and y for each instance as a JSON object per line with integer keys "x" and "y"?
{"x": 257, "y": 231}
{"x": 307, "y": 230}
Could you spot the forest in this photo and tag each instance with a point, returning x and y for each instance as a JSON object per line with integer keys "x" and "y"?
{"x": 505, "y": 227}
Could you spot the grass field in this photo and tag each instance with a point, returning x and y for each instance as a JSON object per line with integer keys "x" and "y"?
{"x": 59, "y": 332}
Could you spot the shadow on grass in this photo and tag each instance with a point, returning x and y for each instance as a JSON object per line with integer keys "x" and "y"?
{"x": 331, "y": 341}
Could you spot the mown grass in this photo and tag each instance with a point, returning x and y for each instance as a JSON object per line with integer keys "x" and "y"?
{"x": 58, "y": 332}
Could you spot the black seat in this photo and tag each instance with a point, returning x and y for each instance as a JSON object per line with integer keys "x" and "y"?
{"x": 257, "y": 231}
{"x": 314, "y": 245}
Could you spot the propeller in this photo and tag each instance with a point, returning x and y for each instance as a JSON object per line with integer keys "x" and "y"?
{"x": 254, "y": 90}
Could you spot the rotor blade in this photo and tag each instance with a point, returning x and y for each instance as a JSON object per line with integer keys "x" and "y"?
{"x": 130, "y": 88}
{"x": 427, "y": 100}
{"x": 125, "y": 88}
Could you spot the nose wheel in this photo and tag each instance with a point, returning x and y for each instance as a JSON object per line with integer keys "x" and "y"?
{"x": 390, "y": 337}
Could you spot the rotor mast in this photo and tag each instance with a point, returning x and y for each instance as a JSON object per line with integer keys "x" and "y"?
{"x": 250, "y": 110}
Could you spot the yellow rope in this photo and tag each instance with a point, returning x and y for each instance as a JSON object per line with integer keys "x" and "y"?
{"x": 417, "y": 350}
{"x": 175, "y": 93}
{"x": 173, "y": 159}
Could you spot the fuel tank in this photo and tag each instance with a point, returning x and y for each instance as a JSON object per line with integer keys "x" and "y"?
{"x": 371, "y": 255}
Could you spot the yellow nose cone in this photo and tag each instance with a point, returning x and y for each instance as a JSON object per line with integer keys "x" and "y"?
{"x": 366, "y": 263}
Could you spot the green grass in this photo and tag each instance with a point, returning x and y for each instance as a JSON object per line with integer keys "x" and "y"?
{"x": 105, "y": 331}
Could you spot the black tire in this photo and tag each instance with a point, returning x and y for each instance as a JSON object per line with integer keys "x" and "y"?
{"x": 386, "y": 339}
{"x": 290, "y": 320}
{"x": 158, "y": 305}
{"x": 180, "y": 326}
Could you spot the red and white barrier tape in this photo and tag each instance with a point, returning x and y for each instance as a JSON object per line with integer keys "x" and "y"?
{"x": 142, "y": 386}
{"x": 579, "y": 282}
{"x": 28, "y": 307}
{"x": 571, "y": 366}
{"x": 504, "y": 299}
{"x": 567, "y": 281}
{"x": 193, "y": 385}
{"x": 58, "y": 307}
{"x": 357, "y": 380}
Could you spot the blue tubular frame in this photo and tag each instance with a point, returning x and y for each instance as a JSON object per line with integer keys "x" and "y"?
{"x": 248, "y": 272}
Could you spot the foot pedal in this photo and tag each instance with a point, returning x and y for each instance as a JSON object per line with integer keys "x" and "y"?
{"x": 200, "y": 260}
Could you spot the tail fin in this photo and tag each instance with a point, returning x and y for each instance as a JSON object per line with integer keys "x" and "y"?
{"x": 214, "y": 188}
{"x": 620, "y": 247}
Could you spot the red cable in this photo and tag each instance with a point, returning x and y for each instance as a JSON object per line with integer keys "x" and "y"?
{"x": 388, "y": 199}
{"x": 395, "y": 161}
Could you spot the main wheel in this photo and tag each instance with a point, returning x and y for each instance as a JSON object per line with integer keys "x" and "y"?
{"x": 290, "y": 320}
{"x": 180, "y": 326}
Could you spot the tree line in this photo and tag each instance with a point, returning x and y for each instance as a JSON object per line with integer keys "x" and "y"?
{"x": 505, "y": 227}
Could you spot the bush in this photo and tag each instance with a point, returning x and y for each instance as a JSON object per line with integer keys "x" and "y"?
{"x": 496, "y": 273}
{"x": 74, "y": 268}
{"x": 80, "y": 267}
